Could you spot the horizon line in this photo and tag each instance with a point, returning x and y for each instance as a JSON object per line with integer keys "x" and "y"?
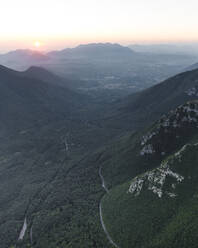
{"x": 140, "y": 43}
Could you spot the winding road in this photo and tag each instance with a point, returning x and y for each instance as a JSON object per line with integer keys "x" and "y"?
{"x": 100, "y": 211}
{"x": 103, "y": 181}
{"x": 23, "y": 230}
{"x": 24, "y": 227}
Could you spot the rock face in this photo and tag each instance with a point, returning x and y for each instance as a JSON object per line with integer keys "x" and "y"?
{"x": 172, "y": 127}
{"x": 156, "y": 179}
{"x": 160, "y": 197}
{"x": 147, "y": 149}
{"x": 164, "y": 179}
{"x": 167, "y": 135}
{"x": 192, "y": 91}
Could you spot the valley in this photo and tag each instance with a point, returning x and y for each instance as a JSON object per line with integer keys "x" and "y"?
{"x": 98, "y": 124}
{"x": 104, "y": 169}
{"x": 103, "y": 70}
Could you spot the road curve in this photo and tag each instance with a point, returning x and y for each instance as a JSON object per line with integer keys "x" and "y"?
{"x": 100, "y": 211}
{"x": 23, "y": 230}
{"x": 103, "y": 181}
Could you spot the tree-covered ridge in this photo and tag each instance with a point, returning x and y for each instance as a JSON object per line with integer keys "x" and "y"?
{"x": 152, "y": 209}
{"x": 54, "y": 141}
{"x": 147, "y": 220}
{"x": 49, "y": 196}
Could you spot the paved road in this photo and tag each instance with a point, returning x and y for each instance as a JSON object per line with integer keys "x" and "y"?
{"x": 100, "y": 211}
{"x": 23, "y": 230}
{"x": 103, "y": 181}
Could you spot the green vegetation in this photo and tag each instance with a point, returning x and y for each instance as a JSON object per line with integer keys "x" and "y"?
{"x": 41, "y": 179}
{"x": 53, "y": 142}
{"x": 149, "y": 219}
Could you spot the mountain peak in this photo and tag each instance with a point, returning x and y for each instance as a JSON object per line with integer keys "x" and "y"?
{"x": 36, "y": 69}
{"x": 94, "y": 50}
{"x": 103, "y": 46}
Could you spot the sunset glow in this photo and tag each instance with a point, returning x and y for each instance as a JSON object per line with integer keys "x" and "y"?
{"x": 61, "y": 23}
{"x": 37, "y": 44}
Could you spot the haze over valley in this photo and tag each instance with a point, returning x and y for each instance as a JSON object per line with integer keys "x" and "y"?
{"x": 98, "y": 124}
{"x": 104, "y": 68}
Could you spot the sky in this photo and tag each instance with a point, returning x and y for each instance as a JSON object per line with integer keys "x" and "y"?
{"x": 56, "y": 24}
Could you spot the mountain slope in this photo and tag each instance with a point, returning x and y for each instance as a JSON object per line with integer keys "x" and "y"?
{"x": 152, "y": 209}
{"x": 25, "y": 99}
{"x": 21, "y": 59}
{"x": 46, "y": 134}
{"x": 39, "y": 73}
{"x": 154, "y": 218}
{"x": 54, "y": 148}
{"x": 192, "y": 67}
{"x": 148, "y": 105}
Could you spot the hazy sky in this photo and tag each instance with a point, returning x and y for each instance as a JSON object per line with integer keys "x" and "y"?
{"x": 61, "y": 23}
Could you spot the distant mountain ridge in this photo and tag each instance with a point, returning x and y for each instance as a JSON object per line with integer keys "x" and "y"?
{"x": 22, "y": 58}
{"x": 94, "y": 49}
{"x": 166, "y": 48}
{"x": 27, "y": 55}
{"x": 103, "y": 67}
